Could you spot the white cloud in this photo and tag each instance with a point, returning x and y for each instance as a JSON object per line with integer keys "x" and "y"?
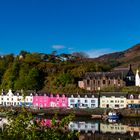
{"x": 97, "y": 52}
{"x": 70, "y": 48}
{"x": 58, "y": 47}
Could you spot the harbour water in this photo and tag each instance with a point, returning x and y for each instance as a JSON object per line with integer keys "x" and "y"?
{"x": 125, "y": 129}
{"x": 93, "y": 129}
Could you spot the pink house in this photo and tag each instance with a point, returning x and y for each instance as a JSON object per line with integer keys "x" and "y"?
{"x": 44, "y": 101}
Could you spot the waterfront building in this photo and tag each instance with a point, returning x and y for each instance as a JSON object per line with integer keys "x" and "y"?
{"x": 27, "y": 100}
{"x": 133, "y": 129}
{"x": 14, "y": 99}
{"x": 133, "y": 100}
{"x": 44, "y": 100}
{"x": 113, "y": 100}
{"x": 83, "y": 101}
{"x": 113, "y": 128}
{"x": 120, "y": 77}
{"x": 41, "y": 100}
{"x": 137, "y": 77}
{"x": 10, "y": 99}
{"x": 84, "y": 126}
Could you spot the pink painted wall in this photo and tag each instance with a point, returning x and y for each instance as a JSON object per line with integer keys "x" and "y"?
{"x": 46, "y": 101}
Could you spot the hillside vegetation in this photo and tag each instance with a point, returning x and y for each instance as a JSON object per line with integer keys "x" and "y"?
{"x": 48, "y": 72}
{"x": 58, "y": 73}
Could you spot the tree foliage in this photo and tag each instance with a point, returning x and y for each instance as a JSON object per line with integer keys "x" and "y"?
{"x": 50, "y": 72}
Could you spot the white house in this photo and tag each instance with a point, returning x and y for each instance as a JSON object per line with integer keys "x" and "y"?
{"x": 83, "y": 101}
{"x": 10, "y": 99}
{"x": 137, "y": 79}
{"x": 84, "y": 126}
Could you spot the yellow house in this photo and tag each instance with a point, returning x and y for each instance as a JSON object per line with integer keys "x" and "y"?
{"x": 133, "y": 100}
{"x": 113, "y": 128}
{"x": 114, "y": 100}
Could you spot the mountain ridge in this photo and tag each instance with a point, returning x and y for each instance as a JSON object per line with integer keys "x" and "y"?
{"x": 123, "y": 58}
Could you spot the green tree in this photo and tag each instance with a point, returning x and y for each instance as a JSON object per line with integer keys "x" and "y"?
{"x": 34, "y": 80}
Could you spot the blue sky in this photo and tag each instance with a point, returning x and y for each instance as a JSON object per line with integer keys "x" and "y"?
{"x": 92, "y": 26}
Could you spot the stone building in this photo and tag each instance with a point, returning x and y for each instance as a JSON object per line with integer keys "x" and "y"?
{"x": 120, "y": 77}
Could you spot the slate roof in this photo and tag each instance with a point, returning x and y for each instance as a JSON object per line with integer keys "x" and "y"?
{"x": 135, "y": 96}
{"x": 83, "y": 95}
{"x": 117, "y": 72}
{"x": 99, "y": 75}
{"x": 116, "y": 94}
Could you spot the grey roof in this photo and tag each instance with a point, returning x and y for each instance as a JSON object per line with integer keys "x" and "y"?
{"x": 99, "y": 75}
{"x": 135, "y": 96}
{"x": 83, "y": 95}
{"x": 116, "y": 94}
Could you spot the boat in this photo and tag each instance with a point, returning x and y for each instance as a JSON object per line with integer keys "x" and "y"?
{"x": 112, "y": 120}
{"x": 113, "y": 115}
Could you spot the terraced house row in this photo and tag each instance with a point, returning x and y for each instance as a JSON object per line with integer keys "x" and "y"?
{"x": 88, "y": 100}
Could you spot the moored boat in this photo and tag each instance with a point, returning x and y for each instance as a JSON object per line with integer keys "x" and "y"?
{"x": 113, "y": 115}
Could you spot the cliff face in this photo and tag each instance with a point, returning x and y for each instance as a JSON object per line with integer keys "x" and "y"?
{"x": 124, "y": 58}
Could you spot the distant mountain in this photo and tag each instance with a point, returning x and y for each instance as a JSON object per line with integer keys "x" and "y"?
{"x": 123, "y": 58}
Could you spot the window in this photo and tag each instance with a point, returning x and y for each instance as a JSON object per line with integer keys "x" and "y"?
{"x": 78, "y": 101}
{"x": 119, "y": 81}
{"x": 63, "y": 100}
{"x": 111, "y": 101}
{"x": 57, "y": 100}
{"x": 1, "y": 98}
{"x": 92, "y": 101}
{"x": 88, "y": 81}
{"x": 7, "y": 99}
{"x": 72, "y": 100}
{"x": 86, "y": 101}
{"x": 86, "y": 105}
{"x": 104, "y": 82}
{"x": 109, "y": 82}
{"x": 92, "y": 105}
{"x": 12, "y": 99}
{"x": 122, "y": 101}
{"x": 132, "y": 101}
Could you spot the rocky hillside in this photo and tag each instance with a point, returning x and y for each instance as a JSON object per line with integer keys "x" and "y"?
{"x": 124, "y": 58}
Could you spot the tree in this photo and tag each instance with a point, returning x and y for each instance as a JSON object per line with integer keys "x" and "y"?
{"x": 34, "y": 80}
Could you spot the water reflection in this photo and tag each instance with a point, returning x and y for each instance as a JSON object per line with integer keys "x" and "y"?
{"x": 126, "y": 129}
{"x": 96, "y": 130}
